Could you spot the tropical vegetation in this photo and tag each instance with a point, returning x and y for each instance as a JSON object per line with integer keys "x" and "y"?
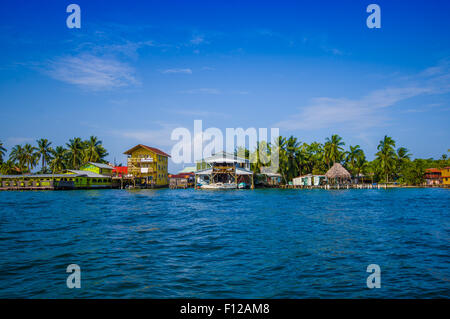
{"x": 43, "y": 158}
{"x": 390, "y": 163}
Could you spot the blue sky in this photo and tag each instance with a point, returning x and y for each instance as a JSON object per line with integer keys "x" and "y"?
{"x": 138, "y": 69}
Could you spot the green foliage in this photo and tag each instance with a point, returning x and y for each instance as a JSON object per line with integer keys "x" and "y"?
{"x": 93, "y": 150}
{"x": 8, "y": 168}
{"x": 333, "y": 150}
{"x": 23, "y": 159}
{"x": 295, "y": 158}
{"x": 355, "y": 159}
{"x": 59, "y": 159}
{"x": 386, "y": 158}
{"x": 2, "y": 152}
{"x": 17, "y": 156}
{"x": 389, "y": 165}
{"x": 44, "y": 152}
{"x": 412, "y": 174}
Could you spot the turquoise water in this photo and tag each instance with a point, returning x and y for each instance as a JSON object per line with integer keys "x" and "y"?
{"x": 220, "y": 244}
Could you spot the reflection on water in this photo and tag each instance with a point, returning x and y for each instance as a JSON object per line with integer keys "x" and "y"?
{"x": 244, "y": 244}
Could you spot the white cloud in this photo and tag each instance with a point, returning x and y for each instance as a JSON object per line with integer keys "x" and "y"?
{"x": 197, "y": 39}
{"x": 174, "y": 71}
{"x": 366, "y": 111}
{"x": 19, "y": 140}
{"x": 126, "y": 48}
{"x": 92, "y": 72}
{"x": 159, "y": 136}
{"x": 240, "y": 92}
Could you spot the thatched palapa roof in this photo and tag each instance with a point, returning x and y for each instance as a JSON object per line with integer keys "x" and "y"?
{"x": 337, "y": 171}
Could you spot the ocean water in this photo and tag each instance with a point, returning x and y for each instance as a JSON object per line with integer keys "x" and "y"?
{"x": 221, "y": 244}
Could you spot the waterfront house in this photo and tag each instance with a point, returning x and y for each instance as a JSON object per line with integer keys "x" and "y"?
{"x": 224, "y": 170}
{"x": 120, "y": 171}
{"x": 148, "y": 165}
{"x": 98, "y": 168}
{"x": 268, "y": 177}
{"x": 86, "y": 177}
{"x": 445, "y": 173}
{"x": 181, "y": 180}
{"x": 309, "y": 180}
{"x": 433, "y": 176}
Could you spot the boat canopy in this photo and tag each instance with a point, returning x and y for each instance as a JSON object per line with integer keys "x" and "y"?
{"x": 239, "y": 171}
{"x": 224, "y": 157}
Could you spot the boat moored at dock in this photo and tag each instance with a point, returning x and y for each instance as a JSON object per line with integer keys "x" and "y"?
{"x": 223, "y": 171}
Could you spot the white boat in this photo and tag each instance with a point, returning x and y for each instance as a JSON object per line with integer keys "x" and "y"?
{"x": 219, "y": 186}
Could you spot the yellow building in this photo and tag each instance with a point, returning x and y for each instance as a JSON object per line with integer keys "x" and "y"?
{"x": 99, "y": 168}
{"x": 91, "y": 175}
{"x": 445, "y": 174}
{"x": 148, "y": 164}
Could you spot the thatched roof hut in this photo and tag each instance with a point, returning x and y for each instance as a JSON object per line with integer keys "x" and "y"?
{"x": 338, "y": 172}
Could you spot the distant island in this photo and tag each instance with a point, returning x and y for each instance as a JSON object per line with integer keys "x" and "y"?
{"x": 391, "y": 164}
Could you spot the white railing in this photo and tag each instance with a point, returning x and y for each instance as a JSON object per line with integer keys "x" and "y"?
{"x": 142, "y": 160}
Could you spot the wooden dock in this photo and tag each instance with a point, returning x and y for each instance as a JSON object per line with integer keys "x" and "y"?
{"x": 134, "y": 183}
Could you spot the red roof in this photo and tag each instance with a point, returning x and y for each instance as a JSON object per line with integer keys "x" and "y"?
{"x": 433, "y": 170}
{"x": 152, "y": 149}
{"x": 120, "y": 169}
{"x": 182, "y": 175}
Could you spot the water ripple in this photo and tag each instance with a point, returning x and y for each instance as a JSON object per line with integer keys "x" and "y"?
{"x": 241, "y": 244}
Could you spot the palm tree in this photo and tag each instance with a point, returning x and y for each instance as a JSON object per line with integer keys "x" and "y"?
{"x": 102, "y": 153}
{"x": 280, "y": 145}
{"x": 292, "y": 148}
{"x": 242, "y": 152}
{"x": 353, "y": 154}
{"x": 92, "y": 149}
{"x": 2, "y": 152}
{"x": 316, "y": 157}
{"x": 403, "y": 154}
{"x": 370, "y": 168}
{"x": 44, "y": 152}
{"x": 333, "y": 149}
{"x": 260, "y": 156}
{"x": 360, "y": 164}
{"x": 58, "y": 162}
{"x": 75, "y": 152}
{"x": 30, "y": 156}
{"x": 303, "y": 159}
{"x": 402, "y": 158}
{"x": 17, "y": 156}
{"x": 386, "y": 156}
{"x": 8, "y": 168}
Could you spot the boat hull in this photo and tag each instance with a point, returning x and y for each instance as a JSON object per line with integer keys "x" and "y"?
{"x": 219, "y": 186}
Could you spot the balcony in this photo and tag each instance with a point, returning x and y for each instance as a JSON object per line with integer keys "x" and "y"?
{"x": 140, "y": 160}
{"x": 140, "y": 170}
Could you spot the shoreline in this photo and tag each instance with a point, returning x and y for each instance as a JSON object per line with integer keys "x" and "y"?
{"x": 285, "y": 187}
